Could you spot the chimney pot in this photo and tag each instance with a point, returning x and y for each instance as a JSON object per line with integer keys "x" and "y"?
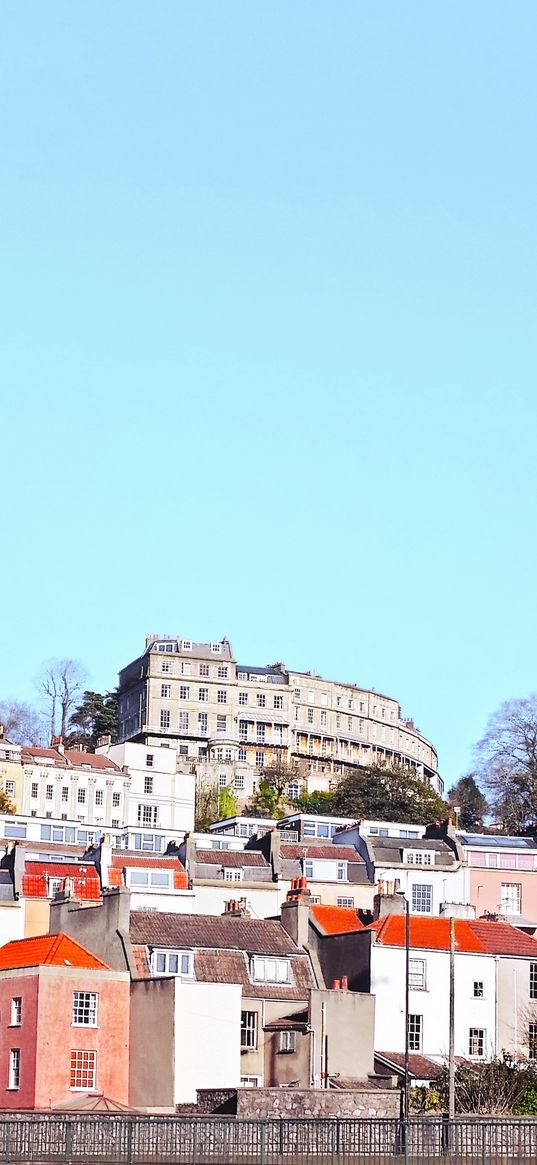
{"x": 336, "y": 985}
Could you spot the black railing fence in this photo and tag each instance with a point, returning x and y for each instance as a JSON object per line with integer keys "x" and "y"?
{"x": 143, "y": 1140}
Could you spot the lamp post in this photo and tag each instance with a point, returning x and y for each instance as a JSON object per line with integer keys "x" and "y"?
{"x": 407, "y": 1003}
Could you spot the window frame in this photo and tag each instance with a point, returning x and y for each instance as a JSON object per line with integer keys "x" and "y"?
{"x": 85, "y": 1003}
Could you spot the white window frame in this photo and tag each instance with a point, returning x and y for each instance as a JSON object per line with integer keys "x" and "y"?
{"x": 14, "y": 1079}
{"x": 16, "y": 1011}
{"x": 249, "y": 1031}
{"x": 287, "y": 1041}
{"x": 163, "y": 960}
{"x": 422, "y": 898}
{"x": 85, "y": 1009}
{"x": 270, "y": 969}
{"x": 83, "y": 1069}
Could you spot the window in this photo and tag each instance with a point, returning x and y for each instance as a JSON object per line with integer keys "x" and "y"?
{"x": 231, "y": 874}
{"x": 293, "y": 790}
{"x": 243, "y": 697}
{"x": 269, "y": 970}
{"x": 216, "y": 648}
{"x": 511, "y": 898}
{"x": 323, "y": 719}
{"x": 342, "y": 871}
{"x": 221, "y": 696}
{"x": 417, "y": 974}
{"x": 186, "y": 644}
{"x": 35, "y": 789}
{"x": 287, "y": 1042}
{"x": 221, "y": 723}
{"x": 308, "y": 868}
{"x": 164, "y": 718}
{"x": 349, "y": 722}
{"x": 476, "y": 1041}
{"x": 84, "y": 1009}
{"x": 278, "y": 701}
{"x": 297, "y": 693}
{"x": 183, "y": 722}
{"x": 422, "y": 899}
{"x": 250, "y": 1081}
{"x": 172, "y": 962}
{"x": 116, "y": 800}
{"x": 148, "y": 784}
{"x": 81, "y": 797}
{"x": 532, "y": 1040}
{"x": 203, "y": 695}
{"x": 310, "y": 715}
{"x": 149, "y": 760}
{"x": 349, "y": 902}
{"x": 202, "y": 723}
{"x": 204, "y": 669}
{"x": 261, "y": 730}
{"x": 415, "y": 1032}
{"x": 83, "y": 1066}
{"x": 151, "y": 879}
{"x": 222, "y": 781}
{"x": 14, "y": 1068}
{"x": 165, "y": 665}
{"x": 147, "y": 815}
{"x": 243, "y": 729}
{"x": 10, "y": 788}
{"x": 49, "y": 792}
{"x": 416, "y": 857}
{"x": 478, "y": 989}
{"x": 99, "y": 797}
{"x": 184, "y": 692}
{"x": 16, "y": 1011}
{"x": 222, "y": 672}
{"x": 165, "y": 691}
{"x": 261, "y": 700}
{"x": 259, "y": 760}
{"x": 239, "y": 781}
{"x": 242, "y": 754}
{"x": 533, "y": 980}
{"x": 248, "y": 1030}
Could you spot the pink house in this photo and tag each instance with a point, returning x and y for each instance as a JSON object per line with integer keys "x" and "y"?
{"x": 64, "y": 1024}
{"x": 502, "y": 876}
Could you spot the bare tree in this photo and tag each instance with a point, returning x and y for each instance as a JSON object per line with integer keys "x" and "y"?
{"x": 22, "y": 723}
{"x": 61, "y": 682}
{"x": 507, "y": 762}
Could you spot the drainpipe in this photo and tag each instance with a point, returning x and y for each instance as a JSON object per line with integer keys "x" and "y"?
{"x": 496, "y": 1005}
{"x": 324, "y": 1078}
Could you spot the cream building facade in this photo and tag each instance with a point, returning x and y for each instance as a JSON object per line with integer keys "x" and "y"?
{"x": 232, "y": 720}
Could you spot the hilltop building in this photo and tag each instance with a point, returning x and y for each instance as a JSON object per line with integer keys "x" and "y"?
{"x": 232, "y": 720}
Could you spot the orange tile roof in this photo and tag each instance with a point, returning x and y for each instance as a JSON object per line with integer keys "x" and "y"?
{"x": 336, "y": 919}
{"x": 57, "y": 950}
{"x": 471, "y": 935}
{"x": 85, "y": 878}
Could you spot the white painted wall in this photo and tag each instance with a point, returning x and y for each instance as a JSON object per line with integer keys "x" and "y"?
{"x": 12, "y": 919}
{"x": 446, "y": 886}
{"x": 388, "y": 985}
{"x": 260, "y": 903}
{"x": 207, "y": 1038}
{"x": 173, "y": 792}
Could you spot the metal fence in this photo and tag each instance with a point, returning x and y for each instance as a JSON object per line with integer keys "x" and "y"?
{"x": 144, "y": 1140}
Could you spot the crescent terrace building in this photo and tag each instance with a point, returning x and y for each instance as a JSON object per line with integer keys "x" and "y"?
{"x": 228, "y": 721}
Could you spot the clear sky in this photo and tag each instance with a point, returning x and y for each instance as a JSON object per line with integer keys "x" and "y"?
{"x": 268, "y": 280}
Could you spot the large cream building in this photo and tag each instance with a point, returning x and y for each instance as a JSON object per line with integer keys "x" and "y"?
{"x": 232, "y": 720}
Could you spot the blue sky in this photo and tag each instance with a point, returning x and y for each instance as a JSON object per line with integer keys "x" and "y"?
{"x": 268, "y": 290}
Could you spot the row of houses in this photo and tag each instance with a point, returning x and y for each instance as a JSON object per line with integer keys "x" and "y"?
{"x": 437, "y": 870}
{"x": 158, "y": 1009}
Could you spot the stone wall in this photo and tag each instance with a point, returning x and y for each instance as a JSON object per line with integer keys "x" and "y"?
{"x": 318, "y": 1102}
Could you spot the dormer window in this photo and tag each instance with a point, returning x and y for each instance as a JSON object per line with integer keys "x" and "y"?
{"x": 418, "y": 857}
{"x": 172, "y": 962}
{"x": 268, "y": 970}
{"x": 216, "y": 648}
{"x": 186, "y": 644}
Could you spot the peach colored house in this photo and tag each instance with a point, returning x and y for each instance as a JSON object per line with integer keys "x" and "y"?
{"x": 502, "y": 876}
{"x": 64, "y": 1024}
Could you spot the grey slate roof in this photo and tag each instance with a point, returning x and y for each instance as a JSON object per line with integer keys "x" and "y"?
{"x": 257, "y": 936}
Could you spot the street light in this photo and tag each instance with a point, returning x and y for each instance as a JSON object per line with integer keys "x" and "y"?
{"x": 402, "y": 894}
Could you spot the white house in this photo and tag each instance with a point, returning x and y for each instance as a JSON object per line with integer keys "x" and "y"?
{"x": 489, "y": 958}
